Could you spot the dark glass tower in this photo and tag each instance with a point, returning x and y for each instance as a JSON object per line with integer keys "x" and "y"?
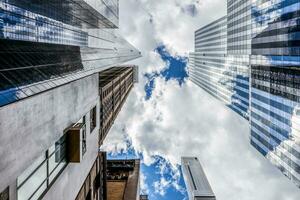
{"x": 45, "y": 44}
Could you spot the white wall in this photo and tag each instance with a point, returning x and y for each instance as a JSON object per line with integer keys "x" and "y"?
{"x": 29, "y": 127}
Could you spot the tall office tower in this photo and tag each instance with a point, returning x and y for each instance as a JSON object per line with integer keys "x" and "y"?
{"x": 275, "y": 80}
{"x": 220, "y": 64}
{"x": 198, "y": 187}
{"x": 122, "y": 179}
{"x": 207, "y": 65}
{"x": 275, "y": 77}
{"x": 51, "y": 55}
{"x": 238, "y": 52}
{"x": 46, "y": 44}
{"x": 115, "y": 85}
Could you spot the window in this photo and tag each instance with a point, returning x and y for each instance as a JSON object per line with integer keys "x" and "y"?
{"x": 93, "y": 119}
{"x": 84, "y": 146}
{"x": 35, "y": 180}
{"x": 4, "y": 195}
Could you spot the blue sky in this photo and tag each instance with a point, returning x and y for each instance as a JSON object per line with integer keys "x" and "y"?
{"x": 166, "y": 116}
{"x": 175, "y": 70}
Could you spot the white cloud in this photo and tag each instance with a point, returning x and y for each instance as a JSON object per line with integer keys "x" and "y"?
{"x": 161, "y": 186}
{"x": 171, "y": 26}
{"x": 187, "y": 121}
{"x": 143, "y": 184}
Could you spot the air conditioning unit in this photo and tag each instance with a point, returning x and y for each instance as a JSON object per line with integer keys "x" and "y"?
{"x": 76, "y": 143}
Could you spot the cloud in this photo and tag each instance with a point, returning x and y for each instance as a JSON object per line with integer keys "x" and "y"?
{"x": 179, "y": 121}
{"x": 144, "y": 186}
{"x": 161, "y": 186}
{"x": 148, "y": 23}
{"x": 190, "y": 9}
{"x": 186, "y": 121}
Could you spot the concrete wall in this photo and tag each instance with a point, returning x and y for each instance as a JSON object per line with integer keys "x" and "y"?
{"x": 29, "y": 127}
{"x": 132, "y": 186}
{"x": 68, "y": 184}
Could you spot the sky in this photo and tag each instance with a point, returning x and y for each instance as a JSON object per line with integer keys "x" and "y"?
{"x": 166, "y": 116}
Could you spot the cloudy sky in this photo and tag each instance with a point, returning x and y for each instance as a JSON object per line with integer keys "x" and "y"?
{"x": 166, "y": 116}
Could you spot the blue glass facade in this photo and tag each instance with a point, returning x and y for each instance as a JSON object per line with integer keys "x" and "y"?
{"x": 238, "y": 52}
{"x": 263, "y": 60}
{"x": 46, "y": 44}
{"x": 220, "y": 63}
{"x": 275, "y": 78}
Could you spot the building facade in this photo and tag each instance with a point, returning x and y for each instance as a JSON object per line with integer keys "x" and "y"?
{"x": 45, "y": 44}
{"x": 115, "y": 85}
{"x": 195, "y": 180}
{"x": 275, "y": 78}
{"x": 263, "y": 59}
{"x": 219, "y": 66}
{"x": 52, "y": 56}
{"x": 207, "y": 67}
{"x": 94, "y": 186}
{"x": 123, "y": 180}
{"x": 238, "y": 52}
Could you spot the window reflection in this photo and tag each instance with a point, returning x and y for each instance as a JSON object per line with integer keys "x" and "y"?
{"x": 36, "y": 179}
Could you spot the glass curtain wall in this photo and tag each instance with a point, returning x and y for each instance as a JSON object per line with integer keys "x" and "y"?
{"x": 54, "y": 42}
{"x": 275, "y": 80}
{"x": 207, "y": 67}
{"x": 238, "y": 52}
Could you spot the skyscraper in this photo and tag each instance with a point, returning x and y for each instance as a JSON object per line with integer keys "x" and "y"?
{"x": 198, "y": 187}
{"x": 48, "y": 44}
{"x": 220, "y": 63}
{"x": 122, "y": 180}
{"x": 115, "y": 85}
{"x": 207, "y": 65}
{"x": 275, "y": 79}
{"x": 263, "y": 44}
{"x": 52, "y": 62}
{"x": 238, "y": 53}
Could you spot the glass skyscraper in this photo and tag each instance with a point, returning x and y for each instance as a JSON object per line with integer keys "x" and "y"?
{"x": 238, "y": 52}
{"x": 62, "y": 86}
{"x": 48, "y": 44}
{"x": 275, "y": 83}
{"x": 263, "y": 58}
{"x": 207, "y": 66}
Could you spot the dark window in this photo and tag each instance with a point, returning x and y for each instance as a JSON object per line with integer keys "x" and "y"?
{"x": 84, "y": 148}
{"x": 4, "y": 195}
{"x": 88, "y": 197}
{"x": 93, "y": 118}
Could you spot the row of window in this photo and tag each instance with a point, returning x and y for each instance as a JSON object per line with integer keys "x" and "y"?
{"x": 211, "y": 28}
{"x": 200, "y": 40}
{"x": 66, "y": 11}
{"x": 38, "y": 178}
{"x": 218, "y": 23}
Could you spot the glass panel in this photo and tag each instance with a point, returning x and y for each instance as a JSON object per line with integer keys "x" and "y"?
{"x": 30, "y": 169}
{"x": 59, "y": 167}
{"x": 33, "y": 183}
{"x": 39, "y": 192}
{"x": 60, "y": 149}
